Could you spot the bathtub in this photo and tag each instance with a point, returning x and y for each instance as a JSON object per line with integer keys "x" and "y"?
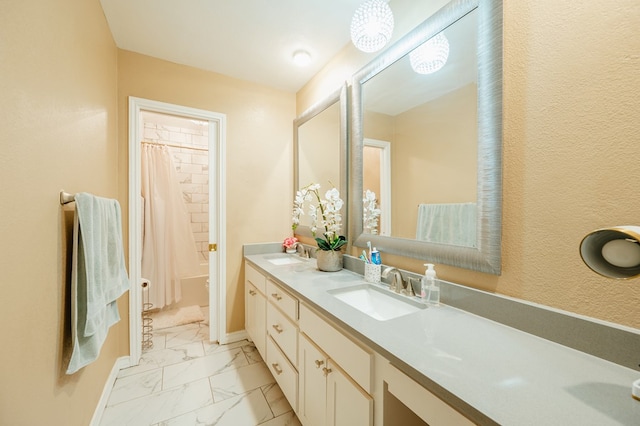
{"x": 194, "y": 289}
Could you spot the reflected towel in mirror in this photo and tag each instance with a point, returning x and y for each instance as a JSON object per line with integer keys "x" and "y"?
{"x": 452, "y": 223}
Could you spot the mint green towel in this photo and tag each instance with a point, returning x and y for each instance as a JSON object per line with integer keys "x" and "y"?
{"x": 98, "y": 276}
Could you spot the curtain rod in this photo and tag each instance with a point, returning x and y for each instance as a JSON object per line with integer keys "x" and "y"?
{"x": 176, "y": 146}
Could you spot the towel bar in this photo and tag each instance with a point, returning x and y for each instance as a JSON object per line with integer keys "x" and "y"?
{"x": 66, "y": 198}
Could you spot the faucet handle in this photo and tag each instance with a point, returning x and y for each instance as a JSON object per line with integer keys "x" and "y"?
{"x": 410, "y": 291}
{"x": 304, "y": 253}
{"x": 397, "y": 283}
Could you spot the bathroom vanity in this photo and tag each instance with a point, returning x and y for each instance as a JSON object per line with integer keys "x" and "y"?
{"x": 337, "y": 364}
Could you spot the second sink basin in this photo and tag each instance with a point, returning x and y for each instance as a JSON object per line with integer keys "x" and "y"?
{"x": 283, "y": 259}
{"x": 376, "y": 302}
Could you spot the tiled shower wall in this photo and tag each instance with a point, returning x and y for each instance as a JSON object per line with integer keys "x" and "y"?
{"x": 192, "y": 166}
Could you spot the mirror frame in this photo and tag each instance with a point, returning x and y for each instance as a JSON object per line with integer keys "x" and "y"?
{"x": 340, "y": 97}
{"x": 487, "y": 255}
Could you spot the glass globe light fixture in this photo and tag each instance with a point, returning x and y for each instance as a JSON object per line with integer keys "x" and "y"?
{"x": 431, "y": 56}
{"x": 372, "y": 25}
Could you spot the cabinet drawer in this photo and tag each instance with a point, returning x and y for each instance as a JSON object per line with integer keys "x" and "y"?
{"x": 252, "y": 275}
{"x": 284, "y": 373}
{"x": 284, "y": 332}
{"x": 354, "y": 360}
{"x": 283, "y": 300}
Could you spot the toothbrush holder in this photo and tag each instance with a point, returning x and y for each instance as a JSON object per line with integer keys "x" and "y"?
{"x": 372, "y": 272}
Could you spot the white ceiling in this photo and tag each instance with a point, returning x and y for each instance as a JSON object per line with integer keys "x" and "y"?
{"x": 251, "y": 40}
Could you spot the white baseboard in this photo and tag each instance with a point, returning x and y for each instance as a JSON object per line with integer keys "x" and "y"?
{"x": 122, "y": 362}
{"x": 236, "y": 336}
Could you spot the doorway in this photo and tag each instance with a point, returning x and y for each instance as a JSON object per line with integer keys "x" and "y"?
{"x": 205, "y": 147}
{"x": 377, "y": 179}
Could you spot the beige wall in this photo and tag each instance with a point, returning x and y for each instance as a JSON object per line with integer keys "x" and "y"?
{"x": 259, "y": 151}
{"x": 319, "y": 152}
{"x": 571, "y": 102}
{"x": 433, "y": 141}
{"x": 58, "y": 107}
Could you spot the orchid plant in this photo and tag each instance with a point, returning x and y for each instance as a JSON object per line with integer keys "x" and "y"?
{"x": 327, "y": 212}
{"x": 370, "y": 212}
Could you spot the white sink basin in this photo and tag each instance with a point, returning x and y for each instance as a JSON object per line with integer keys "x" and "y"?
{"x": 283, "y": 259}
{"x": 376, "y": 302}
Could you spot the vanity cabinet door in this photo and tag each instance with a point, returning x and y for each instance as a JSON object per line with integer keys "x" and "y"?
{"x": 326, "y": 394}
{"x": 255, "y": 316}
{"x": 347, "y": 403}
{"x": 312, "y": 386}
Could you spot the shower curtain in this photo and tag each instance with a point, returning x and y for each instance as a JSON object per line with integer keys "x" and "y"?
{"x": 169, "y": 250}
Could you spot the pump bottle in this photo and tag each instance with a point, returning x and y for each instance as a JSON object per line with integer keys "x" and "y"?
{"x": 430, "y": 292}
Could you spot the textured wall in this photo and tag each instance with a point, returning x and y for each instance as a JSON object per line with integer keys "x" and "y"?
{"x": 58, "y": 108}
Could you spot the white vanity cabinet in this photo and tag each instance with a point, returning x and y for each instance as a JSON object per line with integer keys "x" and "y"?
{"x": 328, "y": 376}
{"x": 282, "y": 340}
{"x": 328, "y": 394}
{"x": 255, "y": 308}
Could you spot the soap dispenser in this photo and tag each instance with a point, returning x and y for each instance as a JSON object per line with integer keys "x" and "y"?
{"x": 430, "y": 292}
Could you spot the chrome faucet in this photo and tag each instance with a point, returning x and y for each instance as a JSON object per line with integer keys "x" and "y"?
{"x": 398, "y": 284}
{"x": 302, "y": 253}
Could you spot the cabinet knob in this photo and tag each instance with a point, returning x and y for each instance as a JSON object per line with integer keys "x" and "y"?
{"x": 277, "y": 328}
{"x": 319, "y": 362}
{"x": 277, "y": 368}
{"x": 252, "y": 292}
{"x": 326, "y": 371}
{"x": 276, "y": 296}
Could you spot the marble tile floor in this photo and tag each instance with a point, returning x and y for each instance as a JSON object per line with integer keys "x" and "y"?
{"x": 185, "y": 380}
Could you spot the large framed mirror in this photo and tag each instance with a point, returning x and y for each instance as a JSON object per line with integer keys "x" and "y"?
{"x": 320, "y": 151}
{"x": 436, "y": 98}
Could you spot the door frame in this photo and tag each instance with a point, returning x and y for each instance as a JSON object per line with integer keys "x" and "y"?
{"x": 217, "y": 218}
{"x": 385, "y": 182}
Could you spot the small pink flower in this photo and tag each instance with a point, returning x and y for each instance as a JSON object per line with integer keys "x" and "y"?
{"x": 290, "y": 242}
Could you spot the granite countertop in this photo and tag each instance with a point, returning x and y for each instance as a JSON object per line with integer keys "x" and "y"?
{"x": 492, "y": 373}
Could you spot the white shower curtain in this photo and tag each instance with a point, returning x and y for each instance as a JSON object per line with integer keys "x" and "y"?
{"x": 169, "y": 250}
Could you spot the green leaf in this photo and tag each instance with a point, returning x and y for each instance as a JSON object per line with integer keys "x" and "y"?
{"x": 334, "y": 245}
{"x": 323, "y": 244}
